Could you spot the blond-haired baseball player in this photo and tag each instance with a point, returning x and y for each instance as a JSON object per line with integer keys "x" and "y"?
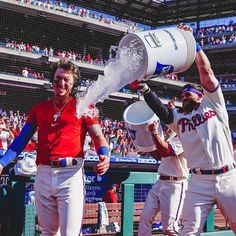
{"x": 59, "y": 183}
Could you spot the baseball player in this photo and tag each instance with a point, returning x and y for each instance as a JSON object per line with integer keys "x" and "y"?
{"x": 204, "y": 132}
{"x": 59, "y": 184}
{"x": 168, "y": 193}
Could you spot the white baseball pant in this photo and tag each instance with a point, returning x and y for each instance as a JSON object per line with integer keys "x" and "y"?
{"x": 167, "y": 197}
{"x": 203, "y": 192}
{"x": 59, "y": 198}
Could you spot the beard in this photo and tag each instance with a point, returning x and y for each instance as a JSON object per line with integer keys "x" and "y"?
{"x": 188, "y": 106}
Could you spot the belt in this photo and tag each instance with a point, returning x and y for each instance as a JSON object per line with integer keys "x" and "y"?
{"x": 221, "y": 170}
{"x": 64, "y": 162}
{"x": 166, "y": 177}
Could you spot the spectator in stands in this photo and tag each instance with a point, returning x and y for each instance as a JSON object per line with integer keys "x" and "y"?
{"x": 59, "y": 180}
{"x": 16, "y": 129}
{"x": 25, "y": 72}
{"x": 11, "y": 117}
{"x": 88, "y": 58}
{"x": 91, "y": 151}
{"x": 40, "y": 76}
{"x": 80, "y": 57}
{"x": 50, "y": 53}
{"x": 110, "y": 195}
{"x": 18, "y": 116}
{"x": 15, "y": 118}
{"x": 28, "y": 48}
{"x": 6, "y": 136}
{"x": 2, "y": 122}
{"x": 112, "y": 135}
{"x": 131, "y": 150}
{"x": 45, "y": 51}
{"x": 6, "y": 121}
{"x": 4, "y": 113}
{"x": 120, "y": 147}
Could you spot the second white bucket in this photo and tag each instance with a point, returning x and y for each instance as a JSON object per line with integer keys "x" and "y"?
{"x": 164, "y": 51}
{"x": 137, "y": 117}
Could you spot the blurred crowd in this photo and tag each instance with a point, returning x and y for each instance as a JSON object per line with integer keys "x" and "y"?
{"x": 228, "y": 81}
{"x": 206, "y": 33}
{"x": 209, "y": 36}
{"x": 73, "y": 9}
{"x": 222, "y": 40}
{"x": 120, "y": 143}
{"x": 50, "y": 52}
{"x": 217, "y": 29}
{"x": 30, "y": 73}
{"x": 115, "y": 131}
{"x": 217, "y": 35}
{"x": 11, "y": 124}
{"x": 57, "y": 5}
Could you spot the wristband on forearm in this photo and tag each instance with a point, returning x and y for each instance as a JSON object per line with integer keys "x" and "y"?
{"x": 144, "y": 88}
{"x": 9, "y": 156}
{"x": 198, "y": 47}
{"x": 103, "y": 150}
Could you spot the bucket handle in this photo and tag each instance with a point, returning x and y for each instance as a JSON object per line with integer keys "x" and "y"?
{"x": 155, "y": 40}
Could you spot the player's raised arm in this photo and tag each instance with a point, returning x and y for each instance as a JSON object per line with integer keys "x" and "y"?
{"x": 207, "y": 77}
{"x": 164, "y": 113}
{"x": 163, "y": 147}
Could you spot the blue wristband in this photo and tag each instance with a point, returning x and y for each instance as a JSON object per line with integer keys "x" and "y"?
{"x": 9, "y": 156}
{"x": 198, "y": 47}
{"x": 103, "y": 150}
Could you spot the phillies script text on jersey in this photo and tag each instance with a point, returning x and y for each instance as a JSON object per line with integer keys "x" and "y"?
{"x": 195, "y": 120}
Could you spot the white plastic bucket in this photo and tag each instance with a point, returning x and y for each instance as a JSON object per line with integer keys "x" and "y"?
{"x": 137, "y": 117}
{"x": 164, "y": 51}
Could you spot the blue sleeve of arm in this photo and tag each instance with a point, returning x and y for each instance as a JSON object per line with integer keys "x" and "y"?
{"x": 18, "y": 144}
{"x": 165, "y": 114}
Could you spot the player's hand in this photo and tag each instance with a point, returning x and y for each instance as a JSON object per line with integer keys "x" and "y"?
{"x": 139, "y": 85}
{"x": 1, "y": 169}
{"x": 171, "y": 103}
{"x": 152, "y": 127}
{"x": 103, "y": 165}
{"x": 185, "y": 27}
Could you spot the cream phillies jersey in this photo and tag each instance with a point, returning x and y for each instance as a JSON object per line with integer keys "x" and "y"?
{"x": 174, "y": 165}
{"x": 205, "y": 133}
{"x": 59, "y": 135}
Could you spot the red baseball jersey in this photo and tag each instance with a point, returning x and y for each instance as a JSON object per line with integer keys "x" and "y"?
{"x": 110, "y": 197}
{"x": 59, "y": 136}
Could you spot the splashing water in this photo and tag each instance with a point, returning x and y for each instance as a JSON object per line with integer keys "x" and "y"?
{"x": 117, "y": 74}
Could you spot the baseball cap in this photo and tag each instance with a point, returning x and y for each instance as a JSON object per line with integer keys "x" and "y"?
{"x": 115, "y": 185}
